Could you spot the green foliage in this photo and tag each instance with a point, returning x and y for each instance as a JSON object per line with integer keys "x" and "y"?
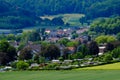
{"x": 78, "y": 55}
{"x": 118, "y": 36}
{"x": 50, "y": 51}
{"x": 25, "y": 54}
{"x": 109, "y": 47}
{"x": 21, "y": 46}
{"x": 34, "y": 36}
{"x": 10, "y": 37}
{"x": 51, "y": 66}
{"x": 3, "y": 58}
{"x": 44, "y": 43}
{"x": 74, "y": 35}
{"x": 105, "y": 39}
{"x": 107, "y": 57}
{"x": 14, "y": 65}
{"x": 7, "y": 52}
{"x": 42, "y": 59}
{"x": 4, "y": 45}
{"x": 93, "y": 48}
{"x": 15, "y": 15}
{"x": 57, "y": 21}
{"x": 106, "y": 26}
{"x": 64, "y": 41}
{"x": 83, "y": 49}
{"x": 72, "y": 44}
{"x": 13, "y": 22}
{"x": 21, "y": 65}
{"x": 92, "y": 8}
{"x": 61, "y": 59}
{"x": 116, "y": 52}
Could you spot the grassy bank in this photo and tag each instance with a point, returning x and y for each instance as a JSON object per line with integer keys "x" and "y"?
{"x": 114, "y": 66}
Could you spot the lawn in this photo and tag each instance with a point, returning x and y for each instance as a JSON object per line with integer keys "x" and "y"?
{"x": 113, "y": 66}
{"x": 62, "y": 75}
{"x": 104, "y": 72}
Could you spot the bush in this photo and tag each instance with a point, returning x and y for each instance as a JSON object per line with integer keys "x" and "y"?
{"x": 116, "y": 52}
{"x": 107, "y": 58}
{"x": 14, "y": 64}
{"x": 21, "y": 65}
{"x": 61, "y": 59}
{"x": 52, "y": 66}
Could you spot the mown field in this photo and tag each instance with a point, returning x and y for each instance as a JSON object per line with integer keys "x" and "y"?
{"x": 94, "y": 73}
{"x": 114, "y": 66}
{"x": 62, "y": 75}
{"x": 73, "y": 19}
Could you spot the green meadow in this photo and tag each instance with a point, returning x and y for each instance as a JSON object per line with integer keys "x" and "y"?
{"x": 114, "y": 66}
{"x": 105, "y": 72}
{"x": 73, "y": 19}
{"x": 62, "y": 75}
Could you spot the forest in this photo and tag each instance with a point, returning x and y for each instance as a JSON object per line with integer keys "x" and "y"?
{"x": 26, "y": 12}
{"x": 95, "y": 8}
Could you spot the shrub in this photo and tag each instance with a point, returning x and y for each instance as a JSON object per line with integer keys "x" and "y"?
{"x": 14, "y": 64}
{"x": 107, "y": 58}
{"x": 61, "y": 59}
{"x": 21, "y": 65}
{"x": 116, "y": 52}
{"x": 52, "y": 66}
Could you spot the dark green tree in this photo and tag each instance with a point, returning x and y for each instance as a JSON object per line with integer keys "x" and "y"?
{"x": 57, "y": 21}
{"x": 51, "y": 52}
{"x": 64, "y": 41}
{"x": 34, "y": 36}
{"x": 93, "y": 48}
{"x": 8, "y": 53}
{"x": 25, "y": 54}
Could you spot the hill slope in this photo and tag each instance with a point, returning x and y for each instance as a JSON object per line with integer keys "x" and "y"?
{"x": 14, "y": 17}
{"x": 24, "y": 13}
{"x": 91, "y": 8}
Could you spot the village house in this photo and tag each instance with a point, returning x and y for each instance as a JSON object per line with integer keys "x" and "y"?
{"x": 36, "y": 48}
{"x": 71, "y": 50}
{"x": 102, "y": 49}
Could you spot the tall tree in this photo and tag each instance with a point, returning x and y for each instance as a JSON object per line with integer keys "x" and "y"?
{"x": 93, "y": 48}
{"x": 7, "y": 52}
{"x": 25, "y": 54}
{"x": 51, "y": 51}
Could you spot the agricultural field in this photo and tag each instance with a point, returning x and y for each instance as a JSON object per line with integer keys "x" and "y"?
{"x": 104, "y": 72}
{"x": 72, "y": 19}
{"x": 62, "y": 75}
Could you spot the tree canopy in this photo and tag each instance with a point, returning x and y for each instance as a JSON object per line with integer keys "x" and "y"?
{"x": 106, "y": 26}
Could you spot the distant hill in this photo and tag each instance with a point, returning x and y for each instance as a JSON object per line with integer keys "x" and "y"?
{"x": 16, "y": 14}
{"x": 91, "y": 8}
{"x": 12, "y": 17}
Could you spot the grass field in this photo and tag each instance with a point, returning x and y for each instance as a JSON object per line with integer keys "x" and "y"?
{"x": 105, "y": 72}
{"x": 73, "y": 19}
{"x": 113, "y": 66}
{"x": 62, "y": 75}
